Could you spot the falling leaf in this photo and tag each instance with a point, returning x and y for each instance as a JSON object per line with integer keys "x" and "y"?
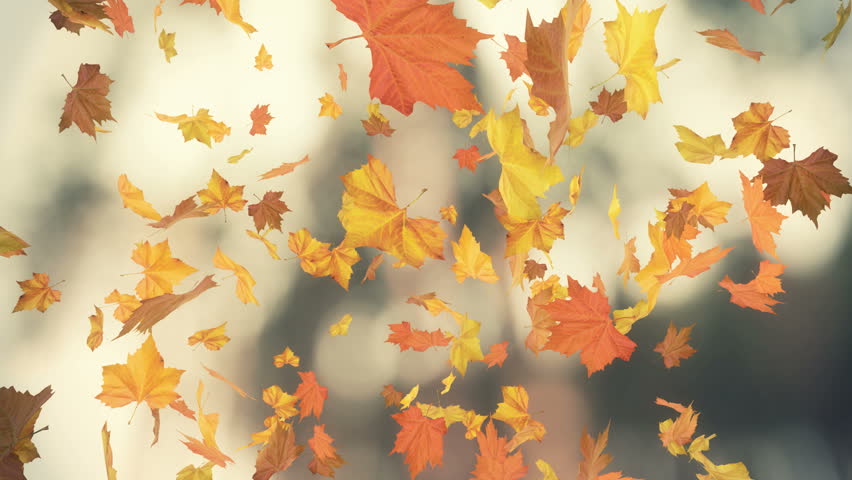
{"x": 341, "y": 327}
{"x": 759, "y": 292}
{"x": 469, "y": 158}
{"x": 11, "y": 244}
{"x": 126, "y": 304}
{"x": 328, "y": 107}
{"x": 326, "y": 458}
{"x": 410, "y": 54}
{"x": 578, "y": 27}
{"x": 391, "y": 396}
{"x": 614, "y": 210}
{"x": 546, "y": 470}
{"x": 727, "y": 40}
{"x": 578, "y": 126}
{"x": 419, "y": 340}
{"x": 757, "y": 5}
{"x": 185, "y": 209}
{"x": 283, "y": 169}
{"x": 144, "y": 378}
{"x": 74, "y": 14}
{"x": 496, "y": 354}
{"x": 763, "y": 217}
{"x": 471, "y": 262}
{"x": 319, "y": 261}
{"x": 96, "y": 333}
{"x": 409, "y": 397}
{"x": 236, "y": 158}
{"x": 466, "y": 347}
{"x": 312, "y": 396}
{"x": 267, "y": 212}
{"x": 806, "y": 183}
{"x": 86, "y": 103}
{"x": 207, "y": 425}
{"x": 37, "y": 294}
{"x": 674, "y": 434}
{"x": 118, "y": 13}
{"x": 219, "y": 195}
{"x": 609, "y": 104}
{"x": 162, "y": 271}
{"x": 449, "y": 213}
{"x": 757, "y": 135}
{"x": 370, "y": 273}
{"x": 697, "y": 149}
{"x": 134, "y": 199}
{"x": 200, "y": 126}
{"x": 283, "y": 403}
{"x": 377, "y": 126}
{"x": 514, "y": 411}
{"x": 231, "y": 11}
{"x": 191, "y": 472}
{"x": 157, "y": 308}
{"x": 212, "y": 338}
{"x": 166, "y": 41}
{"x": 493, "y": 462}
{"x": 515, "y": 57}
{"x": 278, "y": 454}
{"x": 674, "y": 347}
{"x": 245, "y": 282}
{"x": 271, "y": 248}
{"x": 341, "y": 75}
{"x": 421, "y": 440}
{"x": 260, "y": 118}
{"x": 843, "y": 14}
{"x": 263, "y": 60}
{"x": 430, "y": 302}
{"x": 533, "y": 269}
{"x": 287, "y": 357}
{"x": 630, "y": 264}
{"x": 696, "y": 265}
{"x": 219, "y": 376}
{"x": 448, "y": 383}
{"x": 108, "y": 460}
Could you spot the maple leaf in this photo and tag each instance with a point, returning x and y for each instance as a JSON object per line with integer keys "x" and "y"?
{"x": 430, "y": 302}
{"x": 37, "y": 294}
{"x": 287, "y": 357}
{"x": 541, "y": 322}
{"x": 630, "y": 44}
{"x": 117, "y": 12}
{"x": 727, "y": 40}
{"x": 267, "y": 212}
{"x": 326, "y": 458}
{"x": 200, "y": 126}
{"x": 594, "y": 460}
{"x": 466, "y": 347}
{"x": 207, "y": 425}
{"x": 191, "y": 472}
{"x": 220, "y": 195}
{"x": 126, "y": 304}
{"x": 154, "y": 309}
{"x": 697, "y": 149}
{"x": 391, "y": 396}
{"x": 496, "y": 354}
{"x": 806, "y": 183}
{"x": 609, "y": 104}
{"x": 410, "y": 53}
{"x": 283, "y": 403}
{"x": 630, "y": 264}
{"x": 162, "y": 271}
{"x": 328, "y": 107}
{"x": 86, "y": 103}
{"x": 696, "y": 265}
{"x": 843, "y": 14}
{"x": 469, "y": 158}
{"x": 20, "y": 412}
{"x": 758, "y": 293}
{"x": 260, "y": 118}
{"x": 763, "y": 217}
{"x": 449, "y": 213}
{"x": 471, "y": 262}
{"x": 578, "y": 126}
{"x": 341, "y": 327}
{"x": 540, "y": 233}
{"x": 493, "y": 461}
{"x": 583, "y": 324}
{"x": 96, "y": 332}
{"x": 515, "y": 56}
{"x": 757, "y": 5}
{"x": 212, "y": 338}
{"x": 514, "y": 411}
{"x": 699, "y": 206}
{"x": 578, "y": 27}
{"x": 757, "y": 135}
{"x": 245, "y": 282}
{"x": 372, "y": 218}
{"x": 230, "y": 10}
{"x": 533, "y": 269}
{"x": 111, "y": 472}
{"x": 421, "y": 439}
{"x": 311, "y": 395}
{"x": 674, "y": 434}
{"x": 319, "y": 261}
{"x": 74, "y": 14}
{"x": 11, "y": 244}
{"x": 377, "y": 126}
{"x": 166, "y": 42}
{"x": 263, "y": 60}
{"x": 143, "y": 378}
{"x": 278, "y": 454}
{"x": 271, "y": 248}
{"x": 419, "y": 340}
{"x": 185, "y": 209}
{"x": 674, "y": 347}
{"x": 284, "y": 169}
{"x": 134, "y": 199}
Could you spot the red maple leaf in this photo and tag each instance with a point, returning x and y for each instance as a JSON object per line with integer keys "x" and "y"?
{"x": 583, "y": 324}
{"x": 468, "y": 158}
{"x": 311, "y": 394}
{"x": 260, "y": 118}
{"x": 418, "y": 340}
{"x": 421, "y": 439}
{"x": 411, "y": 43}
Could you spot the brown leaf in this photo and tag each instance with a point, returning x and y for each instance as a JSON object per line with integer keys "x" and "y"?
{"x": 278, "y": 454}
{"x": 268, "y": 211}
{"x": 157, "y": 308}
{"x": 86, "y": 103}
{"x": 185, "y": 209}
{"x": 610, "y": 104}
{"x": 283, "y": 169}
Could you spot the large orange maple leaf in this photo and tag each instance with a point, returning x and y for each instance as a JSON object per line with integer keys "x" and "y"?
{"x": 411, "y": 43}
{"x": 421, "y": 439}
{"x": 584, "y": 325}
{"x": 311, "y": 394}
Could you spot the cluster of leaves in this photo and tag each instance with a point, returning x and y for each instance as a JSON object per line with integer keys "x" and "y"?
{"x": 412, "y": 44}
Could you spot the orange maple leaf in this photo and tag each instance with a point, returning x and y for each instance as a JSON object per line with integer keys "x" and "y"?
{"x": 583, "y": 324}
{"x": 287, "y": 357}
{"x": 162, "y": 271}
{"x": 207, "y": 425}
{"x": 319, "y": 261}
{"x": 727, "y": 40}
{"x": 11, "y": 244}
{"x": 541, "y": 321}
{"x": 757, "y": 135}
{"x": 493, "y": 461}
{"x": 763, "y": 217}
{"x": 630, "y": 264}
{"x": 267, "y": 212}
{"x": 391, "y": 395}
{"x": 117, "y": 12}
{"x": 430, "y": 302}
{"x": 370, "y": 273}
{"x": 37, "y": 294}
{"x": 674, "y": 434}
{"x": 126, "y": 304}
{"x": 524, "y": 235}
{"x": 471, "y": 262}
{"x": 284, "y": 168}
{"x": 674, "y": 347}
{"x": 96, "y": 331}
{"x": 419, "y": 340}
{"x": 185, "y": 209}
{"x": 609, "y": 104}
{"x": 411, "y": 53}
{"x": 469, "y": 158}
{"x": 326, "y": 458}
{"x": 212, "y": 338}
{"x": 696, "y": 265}
{"x": 144, "y": 378}
{"x": 496, "y": 354}
{"x": 219, "y": 195}
{"x": 245, "y": 282}
{"x": 515, "y": 56}
{"x": 311, "y": 395}
{"x": 86, "y": 103}
{"x": 594, "y": 460}
{"x": 421, "y": 439}
{"x": 260, "y": 118}
{"x": 758, "y": 293}
{"x": 134, "y": 199}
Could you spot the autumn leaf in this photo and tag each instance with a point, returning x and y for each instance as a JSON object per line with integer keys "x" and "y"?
{"x": 112, "y": 474}
{"x": 341, "y": 327}
{"x": 200, "y": 127}
{"x": 763, "y": 217}
{"x": 236, "y": 158}
{"x": 514, "y": 411}
{"x": 727, "y": 40}
{"x": 843, "y": 14}
{"x": 630, "y": 264}
{"x": 166, "y": 41}
{"x": 230, "y": 10}
{"x": 377, "y": 126}
{"x": 260, "y": 118}
{"x": 578, "y": 126}
{"x": 757, "y": 135}
{"x": 328, "y": 107}
{"x": 697, "y": 149}
{"x": 267, "y": 212}
{"x": 419, "y": 340}
{"x": 278, "y": 454}
{"x": 263, "y": 60}
{"x": 804, "y": 183}
{"x": 72, "y": 15}
{"x": 284, "y": 169}
{"x": 594, "y": 460}
{"x": 614, "y": 210}
{"x": 540, "y": 233}
{"x": 282, "y": 402}
{"x": 311, "y": 395}
{"x": 11, "y": 244}
{"x": 611, "y": 105}
{"x": 271, "y": 248}
{"x": 759, "y": 292}
{"x": 234, "y": 386}
{"x": 144, "y": 378}
{"x": 493, "y": 461}
{"x": 699, "y": 206}
{"x": 212, "y": 338}
{"x": 219, "y": 195}
{"x": 134, "y": 199}
{"x": 541, "y": 321}
{"x": 674, "y": 434}
{"x": 583, "y": 324}
{"x": 86, "y": 104}
{"x": 126, "y": 304}
{"x": 692, "y": 267}
{"x": 391, "y": 396}
{"x": 96, "y": 333}
{"x": 448, "y": 383}
{"x": 191, "y": 472}
{"x": 466, "y": 347}
{"x": 207, "y": 424}
{"x": 674, "y": 347}
{"x": 411, "y": 53}
{"x": 449, "y": 213}
{"x": 118, "y": 13}
{"x": 37, "y": 294}
{"x": 245, "y": 282}
{"x": 757, "y": 5}
{"x": 421, "y": 439}
{"x": 533, "y": 269}
{"x": 185, "y": 209}
{"x": 287, "y": 357}
{"x": 430, "y": 302}
{"x": 469, "y": 158}
{"x": 372, "y": 218}
{"x": 471, "y": 262}
{"x": 496, "y": 354}
{"x": 152, "y": 310}
{"x": 162, "y": 271}
{"x": 20, "y": 412}
{"x": 319, "y": 261}
{"x": 515, "y": 56}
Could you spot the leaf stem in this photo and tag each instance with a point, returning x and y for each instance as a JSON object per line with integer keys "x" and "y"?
{"x": 779, "y": 116}
{"x": 601, "y": 83}
{"x": 66, "y": 80}
{"x": 417, "y": 198}
{"x": 334, "y": 44}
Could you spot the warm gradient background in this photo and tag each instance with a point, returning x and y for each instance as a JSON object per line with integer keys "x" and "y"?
{"x": 774, "y": 388}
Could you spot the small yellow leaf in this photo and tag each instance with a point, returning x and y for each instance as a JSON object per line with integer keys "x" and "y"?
{"x": 134, "y": 199}
{"x": 546, "y": 469}
{"x": 409, "y": 397}
{"x": 578, "y": 126}
{"x": 614, "y": 210}
{"x": 167, "y": 45}
{"x": 328, "y": 107}
{"x": 448, "y": 383}
{"x": 462, "y": 118}
{"x": 212, "y": 338}
{"x": 341, "y": 327}
{"x": 245, "y": 282}
{"x": 471, "y": 262}
{"x": 263, "y": 60}
{"x": 287, "y": 357}
{"x": 236, "y": 158}
{"x": 697, "y": 149}
{"x": 96, "y": 335}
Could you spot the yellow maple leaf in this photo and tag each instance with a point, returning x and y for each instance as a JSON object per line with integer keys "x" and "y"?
{"x": 126, "y": 304}
{"x": 575, "y": 188}
{"x": 37, "y": 293}
{"x": 207, "y": 425}
{"x": 465, "y": 347}
{"x": 245, "y": 282}
{"x": 706, "y": 208}
{"x": 430, "y": 302}
{"x": 191, "y": 472}
{"x": 96, "y": 331}
{"x": 271, "y": 248}
{"x": 514, "y": 411}
{"x": 409, "y": 397}
{"x": 319, "y": 261}
{"x": 79, "y": 15}
{"x": 540, "y": 233}
{"x": 449, "y": 213}
{"x": 212, "y": 338}
{"x": 134, "y": 199}
{"x": 328, "y": 107}
{"x": 283, "y": 403}
{"x": 372, "y": 218}
{"x": 451, "y": 414}
{"x": 341, "y": 327}
{"x": 471, "y": 262}
{"x": 697, "y": 149}
{"x": 287, "y": 357}
{"x": 578, "y": 126}
{"x": 166, "y": 42}
{"x": 219, "y": 194}
{"x": 630, "y": 44}
{"x": 614, "y": 210}
{"x": 462, "y": 118}
{"x": 200, "y": 126}
{"x": 263, "y": 60}
{"x": 472, "y": 422}
{"x": 143, "y": 378}
{"x": 526, "y": 174}
{"x": 757, "y": 135}
{"x": 162, "y": 271}
{"x": 448, "y": 383}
